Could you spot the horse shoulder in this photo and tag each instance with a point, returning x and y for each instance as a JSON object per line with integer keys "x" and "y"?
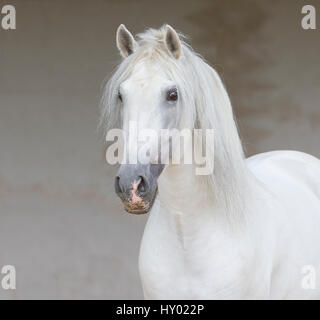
{"x": 291, "y": 182}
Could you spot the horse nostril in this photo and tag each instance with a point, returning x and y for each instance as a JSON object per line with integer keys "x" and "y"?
{"x": 142, "y": 187}
{"x": 124, "y": 186}
{"x": 117, "y": 185}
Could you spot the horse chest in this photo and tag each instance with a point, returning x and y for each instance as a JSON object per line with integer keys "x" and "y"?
{"x": 172, "y": 268}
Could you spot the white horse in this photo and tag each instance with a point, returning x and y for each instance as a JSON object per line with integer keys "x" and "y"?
{"x": 249, "y": 230}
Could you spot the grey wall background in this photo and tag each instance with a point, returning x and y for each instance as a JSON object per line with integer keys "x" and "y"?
{"x": 61, "y": 225}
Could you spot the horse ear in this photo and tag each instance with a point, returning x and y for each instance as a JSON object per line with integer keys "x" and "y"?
{"x": 125, "y": 41}
{"x": 172, "y": 42}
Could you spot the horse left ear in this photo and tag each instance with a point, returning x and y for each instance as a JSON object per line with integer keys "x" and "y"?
{"x": 125, "y": 41}
{"x": 172, "y": 42}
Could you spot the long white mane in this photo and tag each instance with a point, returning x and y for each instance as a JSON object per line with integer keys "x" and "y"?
{"x": 203, "y": 96}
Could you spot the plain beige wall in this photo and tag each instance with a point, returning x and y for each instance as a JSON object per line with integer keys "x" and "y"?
{"x": 61, "y": 224}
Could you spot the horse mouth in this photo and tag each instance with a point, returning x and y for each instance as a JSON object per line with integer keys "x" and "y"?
{"x": 137, "y": 211}
{"x": 140, "y": 207}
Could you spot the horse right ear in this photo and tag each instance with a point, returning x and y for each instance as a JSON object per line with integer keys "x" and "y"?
{"x": 172, "y": 42}
{"x": 125, "y": 41}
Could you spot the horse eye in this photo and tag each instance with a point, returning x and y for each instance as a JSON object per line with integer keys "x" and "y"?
{"x": 119, "y": 96}
{"x": 172, "y": 95}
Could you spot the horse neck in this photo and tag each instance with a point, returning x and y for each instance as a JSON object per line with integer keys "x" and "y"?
{"x": 179, "y": 187}
{"x": 185, "y": 195}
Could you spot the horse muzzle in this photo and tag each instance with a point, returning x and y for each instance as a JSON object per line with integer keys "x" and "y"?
{"x": 136, "y": 185}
